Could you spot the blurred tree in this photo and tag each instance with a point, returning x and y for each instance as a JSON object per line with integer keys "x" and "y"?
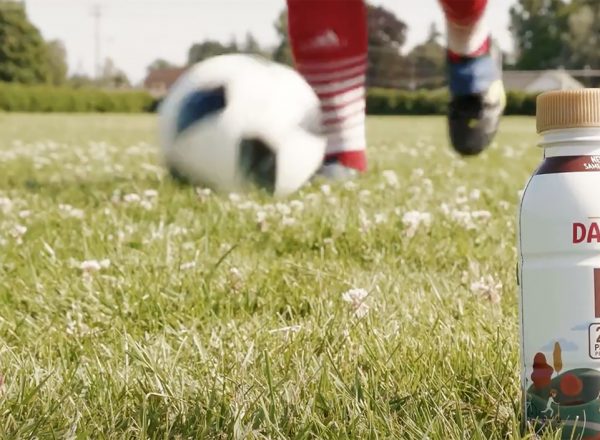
{"x": 79, "y": 80}
{"x": 283, "y": 51}
{"x": 539, "y": 28}
{"x": 251, "y": 45}
{"x": 557, "y": 357}
{"x": 159, "y": 64}
{"x": 428, "y": 61}
{"x": 112, "y": 76}
{"x": 208, "y": 49}
{"x": 387, "y": 35}
{"x": 583, "y": 35}
{"x": 57, "y": 62}
{"x": 23, "y": 53}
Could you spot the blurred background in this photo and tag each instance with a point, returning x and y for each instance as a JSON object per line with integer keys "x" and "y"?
{"x": 142, "y": 46}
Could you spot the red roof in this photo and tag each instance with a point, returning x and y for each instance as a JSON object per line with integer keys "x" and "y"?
{"x": 163, "y": 77}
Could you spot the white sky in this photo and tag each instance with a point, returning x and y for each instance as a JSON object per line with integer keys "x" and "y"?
{"x": 136, "y": 32}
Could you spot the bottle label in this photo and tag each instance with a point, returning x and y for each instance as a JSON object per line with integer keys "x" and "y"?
{"x": 569, "y": 164}
{"x": 560, "y": 296}
{"x": 561, "y": 347}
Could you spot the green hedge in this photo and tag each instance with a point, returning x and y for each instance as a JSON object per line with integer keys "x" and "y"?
{"x": 434, "y": 102}
{"x": 23, "y": 98}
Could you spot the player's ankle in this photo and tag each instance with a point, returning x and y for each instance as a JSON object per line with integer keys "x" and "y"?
{"x": 356, "y": 160}
{"x": 483, "y": 50}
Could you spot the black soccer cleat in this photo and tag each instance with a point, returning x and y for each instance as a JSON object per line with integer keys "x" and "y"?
{"x": 477, "y": 103}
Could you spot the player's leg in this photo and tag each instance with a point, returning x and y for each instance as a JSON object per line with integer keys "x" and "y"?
{"x": 329, "y": 43}
{"x": 475, "y": 77}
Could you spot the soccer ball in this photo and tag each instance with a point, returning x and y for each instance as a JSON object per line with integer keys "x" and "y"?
{"x": 237, "y": 121}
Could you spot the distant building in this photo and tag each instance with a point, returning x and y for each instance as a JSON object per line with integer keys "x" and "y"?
{"x": 159, "y": 81}
{"x": 536, "y": 81}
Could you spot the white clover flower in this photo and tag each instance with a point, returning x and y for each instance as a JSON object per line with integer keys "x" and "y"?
{"x": 18, "y": 231}
{"x": 488, "y": 288}
{"x": 5, "y": 204}
{"x": 236, "y": 278}
{"x": 289, "y": 329}
{"x": 132, "y": 198}
{"x": 485, "y": 215}
{"x": 203, "y": 193}
{"x": 362, "y": 310}
{"x": 326, "y": 189}
{"x": 356, "y": 298}
{"x": 363, "y": 219}
{"x": 288, "y": 221}
{"x": 215, "y": 340}
{"x": 225, "y": 247}
{"x": 150, "y": 193}
{"x": 283, "y": 209}
{"x": 464, "y": 218}
{"x": 261, "y": 216}
{"x": 187, "y": 266}
{"x": 412, "y": 220}
{"x": 297, "y": 205}
{"x": 475, "y": 194}
{"x": 90, "y": 266}
{"x": 391, "y": 178}
{"x": 350, "y": 185}
{"x": 176, "y": 230}
{"x": 380, "y": 218}
{"x": 261, "y": 220}
{"x": 247, "y": 205}
{"x": 503, "y": 204}
{"x": 364, "y": 194}
{"x": 461, "y": 195}
{"x": 147, "y": 205}
{"x": 234, "y": 198}
{"x": 24, "y": 213}
{"x": 332, "y": 200}
{"x": 70, "y": 211}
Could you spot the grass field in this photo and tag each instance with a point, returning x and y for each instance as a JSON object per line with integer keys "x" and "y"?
{"x": 131, "y": 307}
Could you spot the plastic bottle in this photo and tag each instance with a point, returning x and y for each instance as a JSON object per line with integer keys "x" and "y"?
{"x": 559, "y": 269}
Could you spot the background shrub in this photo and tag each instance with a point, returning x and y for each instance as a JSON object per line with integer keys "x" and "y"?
{"x": 434, "y": 102}
{"x": 36, "y": 99}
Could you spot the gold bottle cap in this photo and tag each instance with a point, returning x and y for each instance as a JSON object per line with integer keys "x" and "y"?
{"x": 568, "y": 109}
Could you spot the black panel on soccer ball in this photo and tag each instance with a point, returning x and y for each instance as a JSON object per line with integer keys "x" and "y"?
{"x": 258, "y": 163}
{"x": 200, "y": 104}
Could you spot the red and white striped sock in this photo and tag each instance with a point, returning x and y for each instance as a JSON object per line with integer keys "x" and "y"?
{"x": 468, "y": 32}
{"x": 330, "y": 49}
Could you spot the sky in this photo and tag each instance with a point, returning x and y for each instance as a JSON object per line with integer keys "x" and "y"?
{"x": 133, "y": 33}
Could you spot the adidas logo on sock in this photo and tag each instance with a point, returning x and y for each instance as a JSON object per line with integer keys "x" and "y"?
{"x": 327, "y": 39}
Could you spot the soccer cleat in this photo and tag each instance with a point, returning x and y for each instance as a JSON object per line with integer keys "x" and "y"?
{"x": 477, "y": 102}
{"x": 337, "y": 172}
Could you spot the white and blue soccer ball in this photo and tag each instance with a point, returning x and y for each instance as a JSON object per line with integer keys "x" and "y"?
{"x": 238, "y": 121}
